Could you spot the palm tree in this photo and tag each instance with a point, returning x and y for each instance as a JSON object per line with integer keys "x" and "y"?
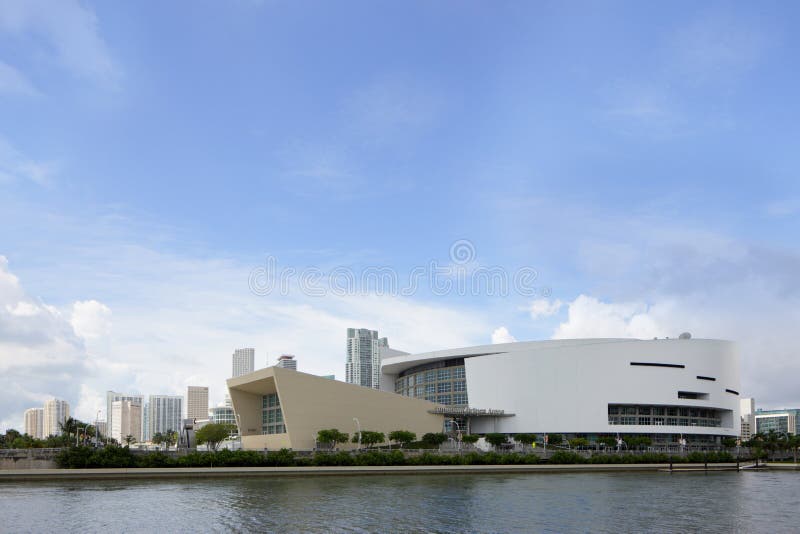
{"x": 68, "y": 426}
{"x": 128, "y": 440}
{"x": 794, "y": 442}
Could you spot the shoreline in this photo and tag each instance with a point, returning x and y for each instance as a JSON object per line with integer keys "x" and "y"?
{"x": 28, "y": 475}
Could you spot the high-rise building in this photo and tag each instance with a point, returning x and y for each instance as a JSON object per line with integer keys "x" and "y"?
{"x": 363, "y": 366}
{"x": 747, "y": 408}
{"x": 146, "y": 436}
{"x": 112, "y": 396}
{"x": 287, "y": 361}
{"x": 127, "y": 417}
{"x": 34, "y": 422}
{"x": 780, "y": 421}
{"x": 102, "y": 429}
{"x": 221, "y": 415}
{"x": 243, "y": 361}
{"x": 54, "y": 413}
{"x": 197, "y": 402}
{"x": 228, "y": 403}
{"x": 164, "y": 414}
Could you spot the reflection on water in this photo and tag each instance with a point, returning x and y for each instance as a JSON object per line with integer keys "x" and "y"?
{"x": 591, "y": 502}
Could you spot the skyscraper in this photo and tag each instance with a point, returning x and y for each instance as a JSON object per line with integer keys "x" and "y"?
{"x": 127, "y": 417}
{"x": 34, "y": 422}
{"x": 363, "y": 366}
{"x": 54, "y": 413}
{"x": 112, "y": 396}
{"x": 164, "y": 414}
{"x": 287, "y": 361}
{"x": 243, "y": 361}
{"x": 197, "y": 402}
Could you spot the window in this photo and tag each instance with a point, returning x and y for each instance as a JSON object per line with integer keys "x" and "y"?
{"x": 459, "y": 372}
{"x": 648, "y": 364}
{"x": 444, "y": 387}
{"x": 649, "y": 415}
{"x": 459, "y": 385}
{"x": 271, "y": 415}
{"x": 443, "y": 399}
{"x": 460, "y": 398}
{"x": 444, "y": 374}
{"x": 692, "y": 395}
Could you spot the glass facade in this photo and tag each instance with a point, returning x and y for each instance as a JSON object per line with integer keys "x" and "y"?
{"x": 442, "y": 382}
{"x": 271, "y": 415}
{"x": 657, "y": 415}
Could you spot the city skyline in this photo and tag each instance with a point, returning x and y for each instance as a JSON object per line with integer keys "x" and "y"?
{"x": 625, "y": 172}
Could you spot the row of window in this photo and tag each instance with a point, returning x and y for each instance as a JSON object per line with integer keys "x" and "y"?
{"x": 660, "y": 421}
{"x": 616, "y": 409}
{"x": 271, "y": 415}
{"x": 431, "y": 376}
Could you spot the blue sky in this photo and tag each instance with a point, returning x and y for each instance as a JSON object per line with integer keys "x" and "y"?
{"x": 642, "y": 158}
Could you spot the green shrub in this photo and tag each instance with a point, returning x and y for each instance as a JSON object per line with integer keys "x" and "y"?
{"x": 567, "y": 457}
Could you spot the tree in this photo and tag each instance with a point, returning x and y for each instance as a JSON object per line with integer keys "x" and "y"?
{"x": 68, "y": 426}
{"x": 213, "y": 434}
{"x": 171, "y": 437}
{"x": 435, "y": 439}
{"x": 402, "y": 437}
{"x": 794, "y": 443}
{"x": 128, "y": 440}
{"x": 496, "y": 440}
{"x": 576, "y": 443}
{"x": 158, "y": 438}
{"x": 369, "y": 438}
{"x": 525, "y": 439}
{"x": 471, "y": 438}
{"x": 608, "y": 441}
{"x": 554, "y": 439}
{"x": 332, "y": 436}
{"x": 729, "y": 442}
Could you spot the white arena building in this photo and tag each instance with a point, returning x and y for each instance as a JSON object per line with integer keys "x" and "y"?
{"x": 666, "y": 389}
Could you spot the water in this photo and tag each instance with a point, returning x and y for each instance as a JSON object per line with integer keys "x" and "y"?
{"x": 583, "y": 502}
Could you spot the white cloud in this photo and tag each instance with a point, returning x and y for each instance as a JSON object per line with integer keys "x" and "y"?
{"x": 70, "y": 29}
{"x": 14, "y": 165}
{"x": 783, "y": 208}
{"x": 13, "y": 82}
{"x": 502, "y": 335}
{"x": 716, "y": 45}
{"x": 91, "y": 319}
{"x": 544, "y": 308}
{"x": 40, "y": 356}
{"x": 588, "y": 318}
{"x": 391, "y": 106}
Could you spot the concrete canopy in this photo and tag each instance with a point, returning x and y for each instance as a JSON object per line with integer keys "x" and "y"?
{"x": 310, "y": 403}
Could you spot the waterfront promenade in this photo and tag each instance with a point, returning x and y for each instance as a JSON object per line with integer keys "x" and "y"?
{"x": 15, "y": 475}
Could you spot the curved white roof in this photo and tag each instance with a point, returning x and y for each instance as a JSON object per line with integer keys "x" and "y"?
{"x": 397, "y": 364}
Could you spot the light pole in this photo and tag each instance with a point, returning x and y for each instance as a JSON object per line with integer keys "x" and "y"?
{"x": 358, "y": 426}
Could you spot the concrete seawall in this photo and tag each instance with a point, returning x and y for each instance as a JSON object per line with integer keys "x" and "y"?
{"x": 214, "y": 472}
{"x": 17, "y": 459}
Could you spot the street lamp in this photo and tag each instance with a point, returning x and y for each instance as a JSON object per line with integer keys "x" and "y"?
{"x": 358, "y": 426}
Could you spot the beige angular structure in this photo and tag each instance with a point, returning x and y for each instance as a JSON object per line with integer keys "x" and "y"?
{"x": 280, "y": 408}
